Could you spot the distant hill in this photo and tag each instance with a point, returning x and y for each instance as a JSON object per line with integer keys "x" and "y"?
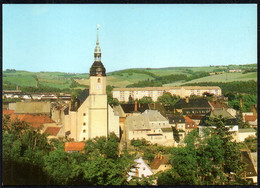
{"x": 123, "y": 78}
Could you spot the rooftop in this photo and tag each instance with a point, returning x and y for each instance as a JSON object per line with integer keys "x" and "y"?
{"x": 192, "y": 103}
{"x": 250, "y": 117}
{"x": 52, "y": 130}
{"x": 74, "y": 146}
{"x": 158, "y": 160}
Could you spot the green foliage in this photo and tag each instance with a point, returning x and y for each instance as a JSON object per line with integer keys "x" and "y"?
{"x": 196, "y": 75}
{"x": 251, "y": 143}
{"x": 168, "y": 99}
{"x": 249, "y": 87}
{"x": 110, "y": 100}
{"x": 207, "y": 160}
{"x": 176, "y": 134}
{"x": 145, "y": 100}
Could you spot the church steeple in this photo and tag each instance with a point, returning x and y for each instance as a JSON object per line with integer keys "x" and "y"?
{"x": 97, "y": 67}
{"x": 97, "y": 53}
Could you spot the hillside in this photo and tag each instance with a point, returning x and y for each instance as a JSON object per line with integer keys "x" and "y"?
{"x": 123, "y": 78}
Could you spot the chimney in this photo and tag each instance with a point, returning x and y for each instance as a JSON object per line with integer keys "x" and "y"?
{"x": 135, "y": 105}
{"x": 187, "y": 99}
{"x": 241, "y": 104}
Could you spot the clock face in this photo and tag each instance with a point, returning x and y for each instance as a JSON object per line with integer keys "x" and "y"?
{"x": 99, "y": 86}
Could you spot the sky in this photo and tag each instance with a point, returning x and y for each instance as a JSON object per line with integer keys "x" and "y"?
{"x": 62, "y": 37}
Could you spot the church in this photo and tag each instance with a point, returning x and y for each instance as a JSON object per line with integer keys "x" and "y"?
{"x": 90, "y": 115}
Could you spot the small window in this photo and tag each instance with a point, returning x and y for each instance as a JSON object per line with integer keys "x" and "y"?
{"x": 154, "y": 131}
{"x": 143, "y": 168}
{"x": 84, "y": 131}
{"x": 99, "y": 80}
{"x": 84, "y": 114}
{"x": 165, "y": 137}
{"x": 84, "y": 138}
{"x": 84, "y": 123}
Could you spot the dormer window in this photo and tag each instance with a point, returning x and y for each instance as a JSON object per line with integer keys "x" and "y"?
{"x": 99, "y": 80}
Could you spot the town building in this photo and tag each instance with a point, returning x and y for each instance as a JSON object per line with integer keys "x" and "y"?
{"x": 122, "y": 94}
{"x": 188, "y": 106}
{"x": 230, "y": 122}
{"x": 31, "y": 107}
{"x": 90, "y": 115}
{"x": 160, "y": 163}
{"x": 150, "y": 125}
{"x": 140, "y": 170}
{"x": 190, "y": 125}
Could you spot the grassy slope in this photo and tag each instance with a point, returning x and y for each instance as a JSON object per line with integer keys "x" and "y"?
{"x": 63, "y": 80}
{"x": 229, "y": 77}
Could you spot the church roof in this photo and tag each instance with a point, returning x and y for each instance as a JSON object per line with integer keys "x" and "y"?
{"x": 83, "y": 96}
{"x": 97, "y": 68}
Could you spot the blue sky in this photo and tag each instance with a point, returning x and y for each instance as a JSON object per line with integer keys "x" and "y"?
{"x": 62, "y": 38}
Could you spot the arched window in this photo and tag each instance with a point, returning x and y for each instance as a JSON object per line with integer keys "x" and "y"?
{"x": 99, "y": 80}
{"x": 84, "y": 131}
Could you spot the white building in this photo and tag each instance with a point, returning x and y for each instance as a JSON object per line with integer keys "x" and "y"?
{"x": 122, "y": 94}
{"x": 150, "y": 125}
{"x": 141, "y": 169}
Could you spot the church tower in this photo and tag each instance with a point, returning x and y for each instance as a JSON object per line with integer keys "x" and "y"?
{"x": 98, "y": 120}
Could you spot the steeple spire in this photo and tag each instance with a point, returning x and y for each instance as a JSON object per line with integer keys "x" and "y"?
{"x": 97, "y": 53}
{"x": 97, "y": 35}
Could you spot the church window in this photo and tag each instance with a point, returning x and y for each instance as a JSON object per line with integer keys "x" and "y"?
{"x": 84, "y": 123}
{"x": 84, "y": 114}
{"x": 99, "y": 80}
{"x": 84, "y": 138}
{"x": 84, "y": 131}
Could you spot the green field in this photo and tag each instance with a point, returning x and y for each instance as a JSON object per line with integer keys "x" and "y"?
{"x": 226, "y": 77}
{"x": 126, "y": 77}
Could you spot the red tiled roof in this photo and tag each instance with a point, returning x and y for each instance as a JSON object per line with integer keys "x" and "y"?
{"x": 250, "y": 117}
{"x": 74, "y": 146}
{"x": 52, "y": 130}
{"x": 8, "y": 112}
{"x": 34, "y": 120}
{"x": 188, "y": 120}
{"x": 158, "y": 160}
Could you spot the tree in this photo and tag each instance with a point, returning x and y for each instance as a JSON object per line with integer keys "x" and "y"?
{"x": 145, "y": 100}
{"x": 207, "y": 160}
{"x": 168, "y": 99}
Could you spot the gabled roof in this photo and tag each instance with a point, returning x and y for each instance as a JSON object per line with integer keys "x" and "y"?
{"x": 74, "y": 146}
{"x": 129, "y": 108}
{"x": 188, "y": 120}
{"x": 158, "y": 160}
{"x": 250, "y": 117}
{"x": 52, "y": 130}
{"x": 35, "y": 121}
{"x": 176, "y": 119}
{"x": 192, "y": 103}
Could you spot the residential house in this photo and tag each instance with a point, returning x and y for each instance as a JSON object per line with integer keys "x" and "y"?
{"x": 160, "y": 163}
{"x": 190, "y": 125}
{"x": 179, "y": 123}
{"x": 230, "y": 122}
{"x": 150, "y": 125}
{"x": 141, "y": 169}
{"x": 188, "y": 106}
{"x": 54, "y": 132}
{"x": 251, "y": 119}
